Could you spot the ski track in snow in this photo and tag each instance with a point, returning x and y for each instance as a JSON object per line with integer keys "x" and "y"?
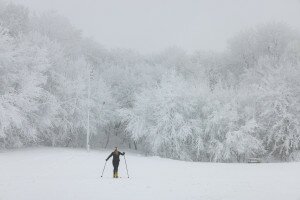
{"x": 72, "y": 174}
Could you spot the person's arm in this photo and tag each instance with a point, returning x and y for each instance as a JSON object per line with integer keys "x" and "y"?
{"x": 122, "y": 153}
{"x": 109, "y": 156}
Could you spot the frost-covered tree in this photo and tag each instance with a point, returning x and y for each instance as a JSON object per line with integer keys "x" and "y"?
{"x": 277, "y": 105}
{"x": 163, "y": 117}
{"x": 59, "y": 29}
{"x": 22, "y": 77}
{"x": 15, "y": 18}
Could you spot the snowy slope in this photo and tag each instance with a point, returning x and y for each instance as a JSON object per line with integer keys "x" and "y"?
{"x": 70, "y": 174}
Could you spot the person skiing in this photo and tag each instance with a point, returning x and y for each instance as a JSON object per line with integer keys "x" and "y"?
{"x": 116, "y": 160}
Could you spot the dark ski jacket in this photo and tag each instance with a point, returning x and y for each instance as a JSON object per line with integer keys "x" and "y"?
{"x": 116, "y": 156}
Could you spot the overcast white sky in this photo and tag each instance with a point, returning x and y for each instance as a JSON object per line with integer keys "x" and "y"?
{"x": 152, "y": 25}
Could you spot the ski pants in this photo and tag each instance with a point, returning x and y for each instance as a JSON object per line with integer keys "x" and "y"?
{"x": 116, "y": 165}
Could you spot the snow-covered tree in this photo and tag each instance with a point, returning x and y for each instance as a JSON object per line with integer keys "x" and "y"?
{"x": 278, "y": 94}
{"x": 163, "y": 117}
{"x": 15, "y": 18}
{"x": 22, "y": 77}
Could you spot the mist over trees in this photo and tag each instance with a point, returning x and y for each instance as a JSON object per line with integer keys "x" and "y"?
{"x": 205, "y": 106}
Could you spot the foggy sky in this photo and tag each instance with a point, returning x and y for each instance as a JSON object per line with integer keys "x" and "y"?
{"x": 152, "y": 25}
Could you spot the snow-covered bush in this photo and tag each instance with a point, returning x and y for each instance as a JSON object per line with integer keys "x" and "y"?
{"x": 295, "y": 156}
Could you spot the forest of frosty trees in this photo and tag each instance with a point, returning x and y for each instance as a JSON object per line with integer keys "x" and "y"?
{"x": 204, "y": 106}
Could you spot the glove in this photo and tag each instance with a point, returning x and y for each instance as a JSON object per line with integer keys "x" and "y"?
{"x": 106, "y": 159}
{"x": 124, "y": 153}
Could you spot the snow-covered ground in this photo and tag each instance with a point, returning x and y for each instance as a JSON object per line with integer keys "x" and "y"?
{"x": 70, "y": 174}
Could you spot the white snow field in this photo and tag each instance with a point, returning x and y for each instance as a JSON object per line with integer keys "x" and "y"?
{"x": 70, "y": 174}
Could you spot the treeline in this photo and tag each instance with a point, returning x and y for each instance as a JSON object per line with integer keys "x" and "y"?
{"x": 205, "y": 106}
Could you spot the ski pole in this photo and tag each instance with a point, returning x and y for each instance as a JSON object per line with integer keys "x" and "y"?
{"x": 103, "y": 168}
{"x": 126, "y": 166}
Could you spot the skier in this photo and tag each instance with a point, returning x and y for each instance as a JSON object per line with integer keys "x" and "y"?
{"x": 116, "y": 160}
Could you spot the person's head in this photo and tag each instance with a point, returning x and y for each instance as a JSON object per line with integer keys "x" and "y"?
{"x": 116, "y": 148}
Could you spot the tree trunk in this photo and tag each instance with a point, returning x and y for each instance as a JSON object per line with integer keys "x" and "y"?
{"x": 107, "y": 141}
{"x": 135, "y": 145}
